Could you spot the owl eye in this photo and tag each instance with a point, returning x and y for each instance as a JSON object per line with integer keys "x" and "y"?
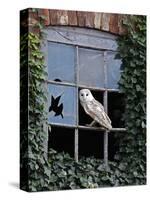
{"x": 82, "y": 95}
{"x": 86, "y": 94}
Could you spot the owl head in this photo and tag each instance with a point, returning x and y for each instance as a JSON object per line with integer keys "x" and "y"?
{"x": 85, "y": 95}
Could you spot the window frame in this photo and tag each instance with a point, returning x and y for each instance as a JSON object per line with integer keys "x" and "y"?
{"x": 89, "y": 39}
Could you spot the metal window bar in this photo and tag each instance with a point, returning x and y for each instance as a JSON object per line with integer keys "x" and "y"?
{"x": 82, "y": 86}
{"x": 105, "y": 99}
{"x": 76, "y": 141}
{"x": 87, "y": 127}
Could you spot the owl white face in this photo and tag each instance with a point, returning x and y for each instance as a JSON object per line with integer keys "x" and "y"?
{"x": 85, "y": 95}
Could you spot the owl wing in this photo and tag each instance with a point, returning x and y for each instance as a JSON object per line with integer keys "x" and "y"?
{"x": 96, "y": 111}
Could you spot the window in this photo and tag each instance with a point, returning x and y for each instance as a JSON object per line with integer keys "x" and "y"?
{"x": 82, "y": 58}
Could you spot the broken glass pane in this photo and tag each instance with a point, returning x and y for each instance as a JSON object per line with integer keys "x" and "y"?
{"x": 116, "y": 108}
{"x": 91, "y": 67}
{"x": 62, "y": 104}
{"x": 61, "y": 62}
{"x": 113, "y": 70}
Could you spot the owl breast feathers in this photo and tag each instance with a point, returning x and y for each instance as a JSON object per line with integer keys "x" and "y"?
{"x": 94, "y": 109}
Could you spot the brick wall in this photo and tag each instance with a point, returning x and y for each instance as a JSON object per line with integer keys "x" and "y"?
{"x": 101, "y": 21}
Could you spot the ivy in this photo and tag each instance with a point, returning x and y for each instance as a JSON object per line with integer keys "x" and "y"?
{"x": 57, "y": 171}
{"x": 34, "y": 150}
{"x": 132, "y": 48}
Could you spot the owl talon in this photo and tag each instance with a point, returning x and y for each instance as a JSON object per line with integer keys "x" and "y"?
{"x": 87, "y": 124}
{"x": 91, "y": 124}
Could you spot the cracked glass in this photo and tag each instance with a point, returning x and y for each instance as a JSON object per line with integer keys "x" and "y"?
{"x": 62, "y": 104}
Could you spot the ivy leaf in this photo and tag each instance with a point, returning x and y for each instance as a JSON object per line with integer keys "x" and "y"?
{"x": 143, "y": 124}
{"x": 138, "y": 88}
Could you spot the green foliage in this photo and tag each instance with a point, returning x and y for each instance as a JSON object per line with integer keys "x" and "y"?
{"x": 65, "y": 173}
{"x": 58, "y": 170}
{"x": 34, "y": 155}
{"x": 33, "y": 95}
{"x": 37, "y": 158}
{"x": 132, "y": 49}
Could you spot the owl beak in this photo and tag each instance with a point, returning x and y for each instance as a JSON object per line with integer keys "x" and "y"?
{"x": 83, "y": 98}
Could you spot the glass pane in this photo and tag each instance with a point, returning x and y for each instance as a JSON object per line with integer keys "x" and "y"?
{"x": 113, "y": 70}
{"x": 62, "y": 104}
{"x": 91, "y": 67}
{"x": 61, "y": 62}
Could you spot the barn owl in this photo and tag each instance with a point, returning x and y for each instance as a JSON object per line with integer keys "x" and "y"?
{"x": 94, "y": 109}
